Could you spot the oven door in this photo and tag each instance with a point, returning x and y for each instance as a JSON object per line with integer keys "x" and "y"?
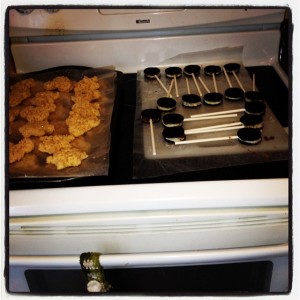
{"x": 236, "y": 270}
{"x": 163, "y": 241}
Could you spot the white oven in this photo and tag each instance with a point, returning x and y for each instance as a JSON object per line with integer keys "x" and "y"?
{"x": 229, "y": 219}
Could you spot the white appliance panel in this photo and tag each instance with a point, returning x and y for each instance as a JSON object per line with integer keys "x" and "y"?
{"x": 144, "y": 197}
{"x": 130, "y": 55}
{"x": 70, "y": 21}
{"x": 149, "y": 240}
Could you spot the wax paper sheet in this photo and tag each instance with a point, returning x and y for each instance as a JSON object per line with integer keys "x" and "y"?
{"x": 172, "y": 159}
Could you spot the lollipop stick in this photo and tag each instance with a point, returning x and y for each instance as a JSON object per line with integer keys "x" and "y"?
{"x": 187, "y": 85}
{"x": 223, "y": 138}
{"x": 227, "y": 78}
{"x": 204, "y": 85}
{"x": 210, "y": 117}
{"x": 215, "y": 84}
{"x": 192, "y": 131}
{"x": 170, "y": 89}
{"x": 152, "y": 138}
{"x": 238, "y": 81}
{"x": 213, "y": 127}
{"x": 176, "y": 86}
{"x": 161, "y": 84}
{"x": 219, "y": 113}
{"x": 196, "y": 84}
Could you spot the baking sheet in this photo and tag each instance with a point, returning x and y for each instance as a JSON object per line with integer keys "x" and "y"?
{"x": 96, "y": 142}
{"x": 172, "y": 159}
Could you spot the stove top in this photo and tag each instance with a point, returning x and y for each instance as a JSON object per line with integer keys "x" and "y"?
{"x": 121, "y": 154}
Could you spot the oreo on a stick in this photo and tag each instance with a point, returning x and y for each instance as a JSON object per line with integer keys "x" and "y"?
{"x": 173, "y": 71}
{"x": 172, "y": 120}
{"x": 249, "y": 136}
{"x": 232, "y": 67}
{"x": 173, "y": 134}
{"x": 252, "y": 121}
{"x": 213, "y": 98}
{"x": 166, "y": 104}
{"x": 151, "y": 72}
{"x": 191, "y": 69}
{"x": 212, "y": 69}
{"x": 191, "y": 100}
{"x": 254, "y": 96}
{"x": 234, "y": 94}
{"x": 150, "y": 113}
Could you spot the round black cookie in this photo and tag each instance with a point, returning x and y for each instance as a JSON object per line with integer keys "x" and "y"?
{"x": 172, "y": 120}
{"x": 166, "y": 104}
{"x": 249, "y": 136}
{"x": 232, "y": 67}
{"x": 173, "y": 134}
{"x": 191, "y": 69}
{"x": 255, "y": 108}
{"x": 151, "y": 72}
{"x": 213, "y": 98}
{"x": 191, "y": 100}
{"x": 171, "y": 71}
{"x": 254, "y": 96}
{"x": 234, "y": 94}
{"x": 150, "y": 113}
{"x": 212, "y": 69}
{"x": 252, "y": 121}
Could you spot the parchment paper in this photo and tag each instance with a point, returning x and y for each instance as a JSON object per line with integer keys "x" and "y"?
{"x": 96, "y": 142}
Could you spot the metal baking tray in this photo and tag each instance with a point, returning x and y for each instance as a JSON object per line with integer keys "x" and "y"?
{"x": 97, "y": 142}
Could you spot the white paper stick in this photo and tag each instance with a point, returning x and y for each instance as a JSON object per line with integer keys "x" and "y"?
{"x": 227, "y": 78}
{"x": 214, "y": 129}
{"x": 176, "y": 86}
{"x": 187, "y": 85}
{"x": 196, "y": 84}
{"x": 152, "y": 138}
{"x": 223, "y": 138}
{"x": 238, "y": 81}
{"x": 210, "y": 117}
{"x": 204, "y": 85}
{"x": 253, "y": 82}
{"x": 215, "y": 84}
{"x": 219, "y": 113}
{"x": 170, "y": 88}
{"x": 162, "y": 85}
{"x": 199, "y": 129}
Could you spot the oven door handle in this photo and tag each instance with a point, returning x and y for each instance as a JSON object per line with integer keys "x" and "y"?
{"x": 137, "y": 260}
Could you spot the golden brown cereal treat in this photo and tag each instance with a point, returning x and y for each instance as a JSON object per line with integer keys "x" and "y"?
{"x": 78, "y": 125}
{"x": 86, "y": 109}
{"x": 36, "y": 128}
{"x": 24, "y": 84}
{"x": 87, "y": 84}
{"x": 86, "y": 96}
{"x": 16, "y": 97}
{"x": 34, "y": 113}
{"x": 20, "y": 91}
{"x": 13, "y": 113}
{"x": 67, "y": 158}
{"x": 45, "y": 100}
{"x": 62, "y": 83}
{"x": 17, "y": 151}
{"x": 54, "y": 143}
